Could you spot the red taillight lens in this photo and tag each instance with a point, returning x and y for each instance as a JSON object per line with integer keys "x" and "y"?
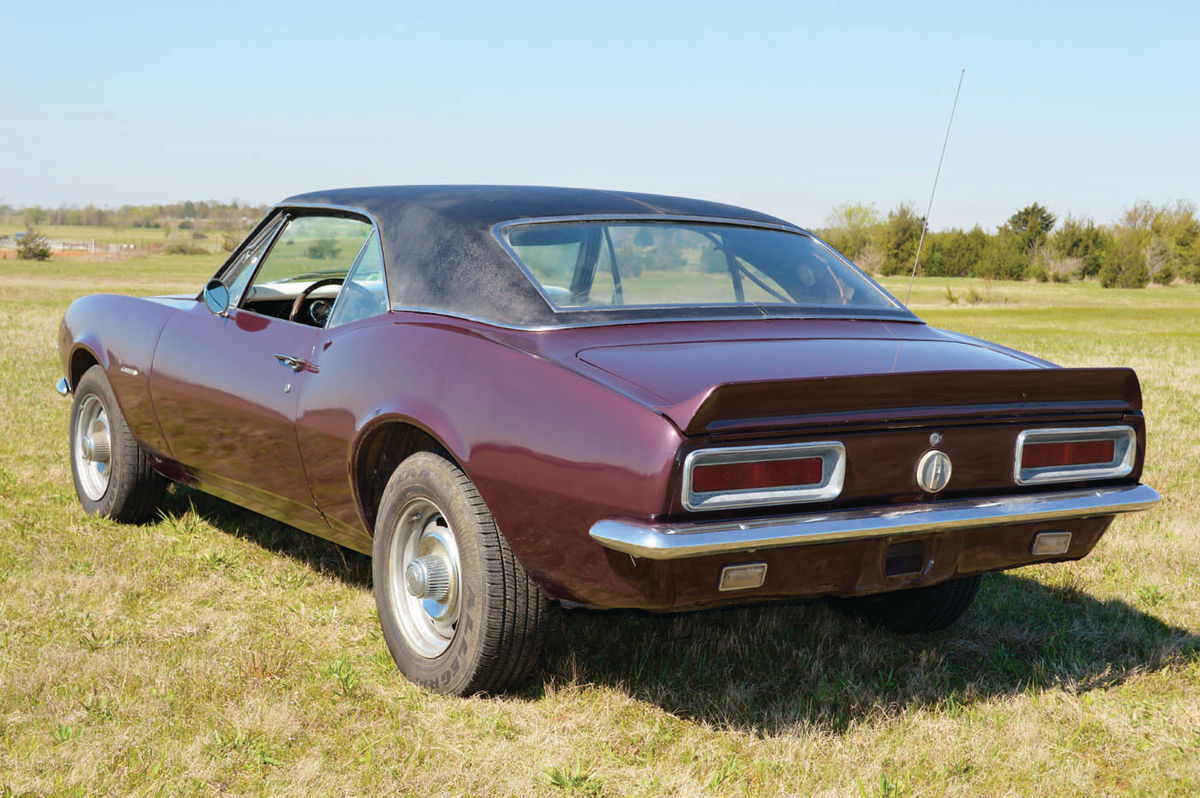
{"x": 1073, "y": 453}
{"x": 761, "y": 474}
{"x": 1046, "y": 455}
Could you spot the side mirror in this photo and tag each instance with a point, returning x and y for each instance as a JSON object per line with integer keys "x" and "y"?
{"x": 216, "y": 298}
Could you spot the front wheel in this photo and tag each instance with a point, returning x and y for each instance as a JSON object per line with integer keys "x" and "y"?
{"x": 113, "y": 476}
{"x": 458, "y": 612}
{"x": 919, "y": 609}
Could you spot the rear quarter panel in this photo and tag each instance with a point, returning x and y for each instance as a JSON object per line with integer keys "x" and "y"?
{"x": 551, "y": 451}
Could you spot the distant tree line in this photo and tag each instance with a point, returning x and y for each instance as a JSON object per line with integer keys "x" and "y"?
{"x": 186, "y": 215}
{"x": 226, "y": 221}
{"x": 1150, "y": 243}
{"x": 185, "y": 225}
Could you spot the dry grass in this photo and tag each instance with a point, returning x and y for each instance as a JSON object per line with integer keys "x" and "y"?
{"x": 110, "y": 235}
{"x": 218, "y": 652}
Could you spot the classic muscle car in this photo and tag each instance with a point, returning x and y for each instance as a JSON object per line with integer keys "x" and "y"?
{"x": 509, "y": 396}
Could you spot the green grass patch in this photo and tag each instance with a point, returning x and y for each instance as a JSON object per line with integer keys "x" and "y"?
{"x": 215, "y": 651}
{"x": 109, "y": 235}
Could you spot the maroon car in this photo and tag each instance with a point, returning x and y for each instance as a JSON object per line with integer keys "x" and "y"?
{"x": 510, "y": 396}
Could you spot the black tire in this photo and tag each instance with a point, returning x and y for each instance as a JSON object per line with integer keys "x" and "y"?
{"x": 920, "y": 609}
{"x": 483, "y": 632}
{"x": 113, "y": 477}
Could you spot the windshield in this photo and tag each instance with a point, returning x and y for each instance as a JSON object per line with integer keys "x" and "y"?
{"x": 599, "y": 265}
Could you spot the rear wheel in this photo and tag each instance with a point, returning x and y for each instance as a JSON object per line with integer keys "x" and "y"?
{"x": 113, "y": 476}
{"x": 920, "y": 609}
{"x": 458, "y": 612}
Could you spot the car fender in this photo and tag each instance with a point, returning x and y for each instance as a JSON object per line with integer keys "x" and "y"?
{"x": 120, "y": 334}
{"x": 414, "y": 412}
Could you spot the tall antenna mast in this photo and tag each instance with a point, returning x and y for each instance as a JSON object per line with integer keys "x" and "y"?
{"x": 937, "y": 174}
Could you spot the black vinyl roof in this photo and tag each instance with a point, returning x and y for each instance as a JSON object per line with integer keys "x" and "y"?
{"x": 441, "y": 254}
{"x": 486, "y": 206}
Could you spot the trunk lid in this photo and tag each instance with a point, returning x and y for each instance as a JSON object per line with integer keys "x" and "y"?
{"x": 714, "y": 386}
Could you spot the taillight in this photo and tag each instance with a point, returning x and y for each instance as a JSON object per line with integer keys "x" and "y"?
{"x": 1074, "y": 453}
{"x": 1043, "y": 455}
{"x": 749, "y": 476}
{"x": 769, "y": 474}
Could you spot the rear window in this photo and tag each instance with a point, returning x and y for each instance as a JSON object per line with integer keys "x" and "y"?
{"x": 608, "y": 265}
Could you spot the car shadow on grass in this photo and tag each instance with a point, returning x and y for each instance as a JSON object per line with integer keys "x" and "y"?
{"x": 321, "y": 555}
{"x": 771, "y": 668}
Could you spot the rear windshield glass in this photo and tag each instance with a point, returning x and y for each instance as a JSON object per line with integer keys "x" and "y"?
{"x": 601, "y": 265}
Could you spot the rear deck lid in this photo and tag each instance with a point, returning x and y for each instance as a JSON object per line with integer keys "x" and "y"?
{"x": 713, "y": 386}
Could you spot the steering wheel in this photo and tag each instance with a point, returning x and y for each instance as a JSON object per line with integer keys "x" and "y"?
{"x": 324, "y": 281}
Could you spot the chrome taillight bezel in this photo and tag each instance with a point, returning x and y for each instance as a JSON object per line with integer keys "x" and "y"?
{"x": 833, "y": 474}
{"x": 1123, "y": 437}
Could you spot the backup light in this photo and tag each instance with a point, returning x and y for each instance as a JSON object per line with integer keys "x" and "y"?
{"x": 1049, "y": 544}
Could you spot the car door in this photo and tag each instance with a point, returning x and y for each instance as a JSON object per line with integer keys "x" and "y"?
{"x": 355, "y": 374}
{"x": 226, "y": 386}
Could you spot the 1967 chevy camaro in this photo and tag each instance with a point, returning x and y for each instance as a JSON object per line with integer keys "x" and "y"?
{"x": 509, "y": 396}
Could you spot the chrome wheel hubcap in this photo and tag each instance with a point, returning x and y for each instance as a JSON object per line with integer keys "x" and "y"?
{"x": 93, "y": 449}
{"x": 423, "y": 568}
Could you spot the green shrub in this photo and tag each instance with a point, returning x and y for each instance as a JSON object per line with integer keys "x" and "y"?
{"x": 953, "y": 253}
{"x": 1125, "y": 265}
{"x": 33, "y": 246}
{"x": 324, "y": 248}
{"x": 851, "y": 229}
{"x": 180, "y": 248}
{"x": 1083, "y": 241}
{"x": 1003, "y": 258}
{"x": 1164, "y": 275}
{"x": 897, "y": 239}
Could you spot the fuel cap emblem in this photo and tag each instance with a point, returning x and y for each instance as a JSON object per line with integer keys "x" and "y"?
{"x": 933, "y": 472}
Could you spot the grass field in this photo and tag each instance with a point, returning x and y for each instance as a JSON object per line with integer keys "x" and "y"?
{"x": 117, "y": 235}
{"x": 218, "y": 652}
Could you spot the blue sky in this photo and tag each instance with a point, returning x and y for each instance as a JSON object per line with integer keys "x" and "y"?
{"x": 789, "y": 108}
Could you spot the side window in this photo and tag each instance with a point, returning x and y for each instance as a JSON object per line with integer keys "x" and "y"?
{"x": 365, "y": 291}
{"x": 300, "y": 276}
{"x": 552, "y": 262}
{"x": 241, "y": 270}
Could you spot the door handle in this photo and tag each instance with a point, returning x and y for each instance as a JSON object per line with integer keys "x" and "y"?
{"x": 294, "y": 363}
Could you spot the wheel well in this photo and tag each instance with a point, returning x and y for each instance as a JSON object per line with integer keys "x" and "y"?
{"x": 81, "y": 361}
{"x": 378, "y": 454}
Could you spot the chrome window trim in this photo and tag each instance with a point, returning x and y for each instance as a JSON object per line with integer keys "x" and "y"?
{"x": 735, "y": 221}
{"x": 261, "y": 237}
{"x": 833, "y": 475}
{"x": 890, "y": 316}
{"x": 499, "y": 228}
{"x": 1124, "y": 453}
{"x": 343, "y": 210}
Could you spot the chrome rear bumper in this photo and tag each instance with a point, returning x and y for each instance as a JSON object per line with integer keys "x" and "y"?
{"x": 676, "y": 541}
{"x": 63, "y": 387}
